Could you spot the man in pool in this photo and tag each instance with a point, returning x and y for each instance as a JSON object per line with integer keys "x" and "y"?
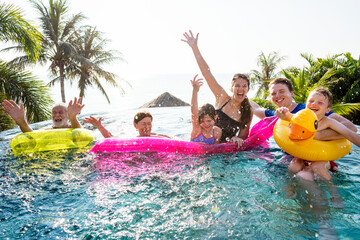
{"x": 61, "y": 114}
{"x": 281, "y": 92}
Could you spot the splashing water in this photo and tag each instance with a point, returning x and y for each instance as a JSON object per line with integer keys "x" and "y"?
{"x": 246, "y": 195}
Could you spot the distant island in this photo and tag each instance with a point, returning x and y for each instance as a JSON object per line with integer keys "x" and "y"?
{"x": 165, "y": 100}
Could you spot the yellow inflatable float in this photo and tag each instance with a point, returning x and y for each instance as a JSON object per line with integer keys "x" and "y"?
{"x": 48, "y": 140}
{"x": 296, "y": 138}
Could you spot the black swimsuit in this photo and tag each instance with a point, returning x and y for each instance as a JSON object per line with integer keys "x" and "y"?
{"x": 228, "y": 125}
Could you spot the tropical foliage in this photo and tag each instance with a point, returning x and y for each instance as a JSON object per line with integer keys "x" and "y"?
{"x": 340, "y": 73}
{"x": 267, "y": 104}
{"x": 75, "y": 52}
{"x": 21, "y": 86}
{"x": 14, "y": 28}
{"x": 90, "y": 45}
{"x": 58, "y": 29}
{"x": 268, "y": 66}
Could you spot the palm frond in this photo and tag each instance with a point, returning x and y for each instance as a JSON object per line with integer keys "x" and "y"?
{"x": 345, "y": 108}
{"x": 14, "y": 28}
{"x": 21, "y": 86}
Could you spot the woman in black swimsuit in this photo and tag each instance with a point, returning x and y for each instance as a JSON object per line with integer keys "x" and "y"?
{"x": 234, "y": 112}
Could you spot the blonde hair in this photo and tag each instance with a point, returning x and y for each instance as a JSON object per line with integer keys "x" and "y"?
{"x": 326, "y": 93}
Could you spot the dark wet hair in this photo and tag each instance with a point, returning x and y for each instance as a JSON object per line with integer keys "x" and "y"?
{"x": 245, "y": 107}
{"x": 206, "y": 109}
{"x": 326, "y": 93}
{"x": 284, "y": 81}
{"x": 141, "y": 115}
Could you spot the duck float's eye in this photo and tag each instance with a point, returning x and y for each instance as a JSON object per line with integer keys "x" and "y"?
{"x": 316, "y": 124}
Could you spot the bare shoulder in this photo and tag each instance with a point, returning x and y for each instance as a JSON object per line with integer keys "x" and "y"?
{"x": 221, "y": 100}
{"x": 327, "y": 122}
{"x": 217, "y": 129}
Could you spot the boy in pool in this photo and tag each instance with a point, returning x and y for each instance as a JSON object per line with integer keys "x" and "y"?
{"x": 142, "y": 123}
{"x": 203, "y": 119}
{"x": 61, "y": 114}
{"x": 281, "y": 91}
{"x": 319, "y": 101}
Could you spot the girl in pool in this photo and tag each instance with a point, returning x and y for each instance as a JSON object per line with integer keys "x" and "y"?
{"x": 203, "y": 119}
{"x": 142, "y": 123}
{"x": 234, "y": 112}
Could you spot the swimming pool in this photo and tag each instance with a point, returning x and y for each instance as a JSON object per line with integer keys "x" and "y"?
{"x": 246, "y": 195}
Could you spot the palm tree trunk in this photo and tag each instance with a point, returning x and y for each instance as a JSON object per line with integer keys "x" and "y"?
{"x": 62, "y": 85}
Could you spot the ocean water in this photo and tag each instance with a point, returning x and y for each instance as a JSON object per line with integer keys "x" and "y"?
{"x": 140, "y": 90}
{"x": 71, "y": 194}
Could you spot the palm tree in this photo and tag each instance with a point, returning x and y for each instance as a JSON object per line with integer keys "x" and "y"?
{"x": 320, "y": 72}
{"x": 22, "y": 86}
{"x": 58, "y": 30}
{"x": 14, "y": 28}
{"x": 268, "y": 65}
{"x": 91, "y": 47}
{"x": 303, "y": 82}
{"x": 16, "y": 84}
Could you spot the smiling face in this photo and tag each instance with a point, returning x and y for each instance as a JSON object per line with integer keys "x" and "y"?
{"x": 144, "y": 126}
{"x": 318, "y": 103}
{"x": 281, "y": 96}
{"x": 207, "y": 123}
{"x": 59, "y": 116}
{"x": 239, "y": 89}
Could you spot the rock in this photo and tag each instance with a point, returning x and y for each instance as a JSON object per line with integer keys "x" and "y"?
{"x": 165, "y": 100}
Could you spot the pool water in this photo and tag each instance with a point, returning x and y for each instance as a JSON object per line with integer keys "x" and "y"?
{"x": 70, "y": 194}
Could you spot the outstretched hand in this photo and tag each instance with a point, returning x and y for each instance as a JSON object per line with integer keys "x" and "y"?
{"x": 16, "y": 112}
{"x": 282, "y": 112}
{"x": 74, "y": 108}
{"x": 97, "y": 123}
{"x": 93, "y": 121}
{"x": 197, "y": 83}
{"x": 190, "y": 39}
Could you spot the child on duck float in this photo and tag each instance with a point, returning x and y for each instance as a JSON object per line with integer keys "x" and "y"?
{"x": 319, "y": 101}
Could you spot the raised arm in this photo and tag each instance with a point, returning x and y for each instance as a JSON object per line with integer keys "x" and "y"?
{"x": 73, "y": 109}
{"x": 257, "y": 110}
{"x": 17, "y": 113}
{"x": 196, "y": 84}
{"x": 215, "y": 87}
{"x": 97, "y": 123}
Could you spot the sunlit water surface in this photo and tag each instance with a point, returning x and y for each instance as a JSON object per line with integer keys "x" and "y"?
{"x": 246, "y": 195}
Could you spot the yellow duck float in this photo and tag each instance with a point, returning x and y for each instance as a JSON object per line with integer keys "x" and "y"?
{"x": 297, "y": 138}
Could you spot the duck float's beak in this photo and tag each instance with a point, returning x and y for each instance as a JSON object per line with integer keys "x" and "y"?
{"x": 303, "y": 125}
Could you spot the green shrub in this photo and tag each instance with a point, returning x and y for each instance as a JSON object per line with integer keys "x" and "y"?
{"x": 267, "y": 104}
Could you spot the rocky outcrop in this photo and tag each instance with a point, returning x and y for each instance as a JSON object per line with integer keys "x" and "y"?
{"x": 165, "y": 100}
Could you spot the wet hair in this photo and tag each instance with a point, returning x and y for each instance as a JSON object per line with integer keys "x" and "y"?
{"x": 284, "y": 81}
{"x": 206, "y": 109}
{"x": 141, "y": 115}
{"x": 326, "y": 93}
{"x": 245, "y": 107}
